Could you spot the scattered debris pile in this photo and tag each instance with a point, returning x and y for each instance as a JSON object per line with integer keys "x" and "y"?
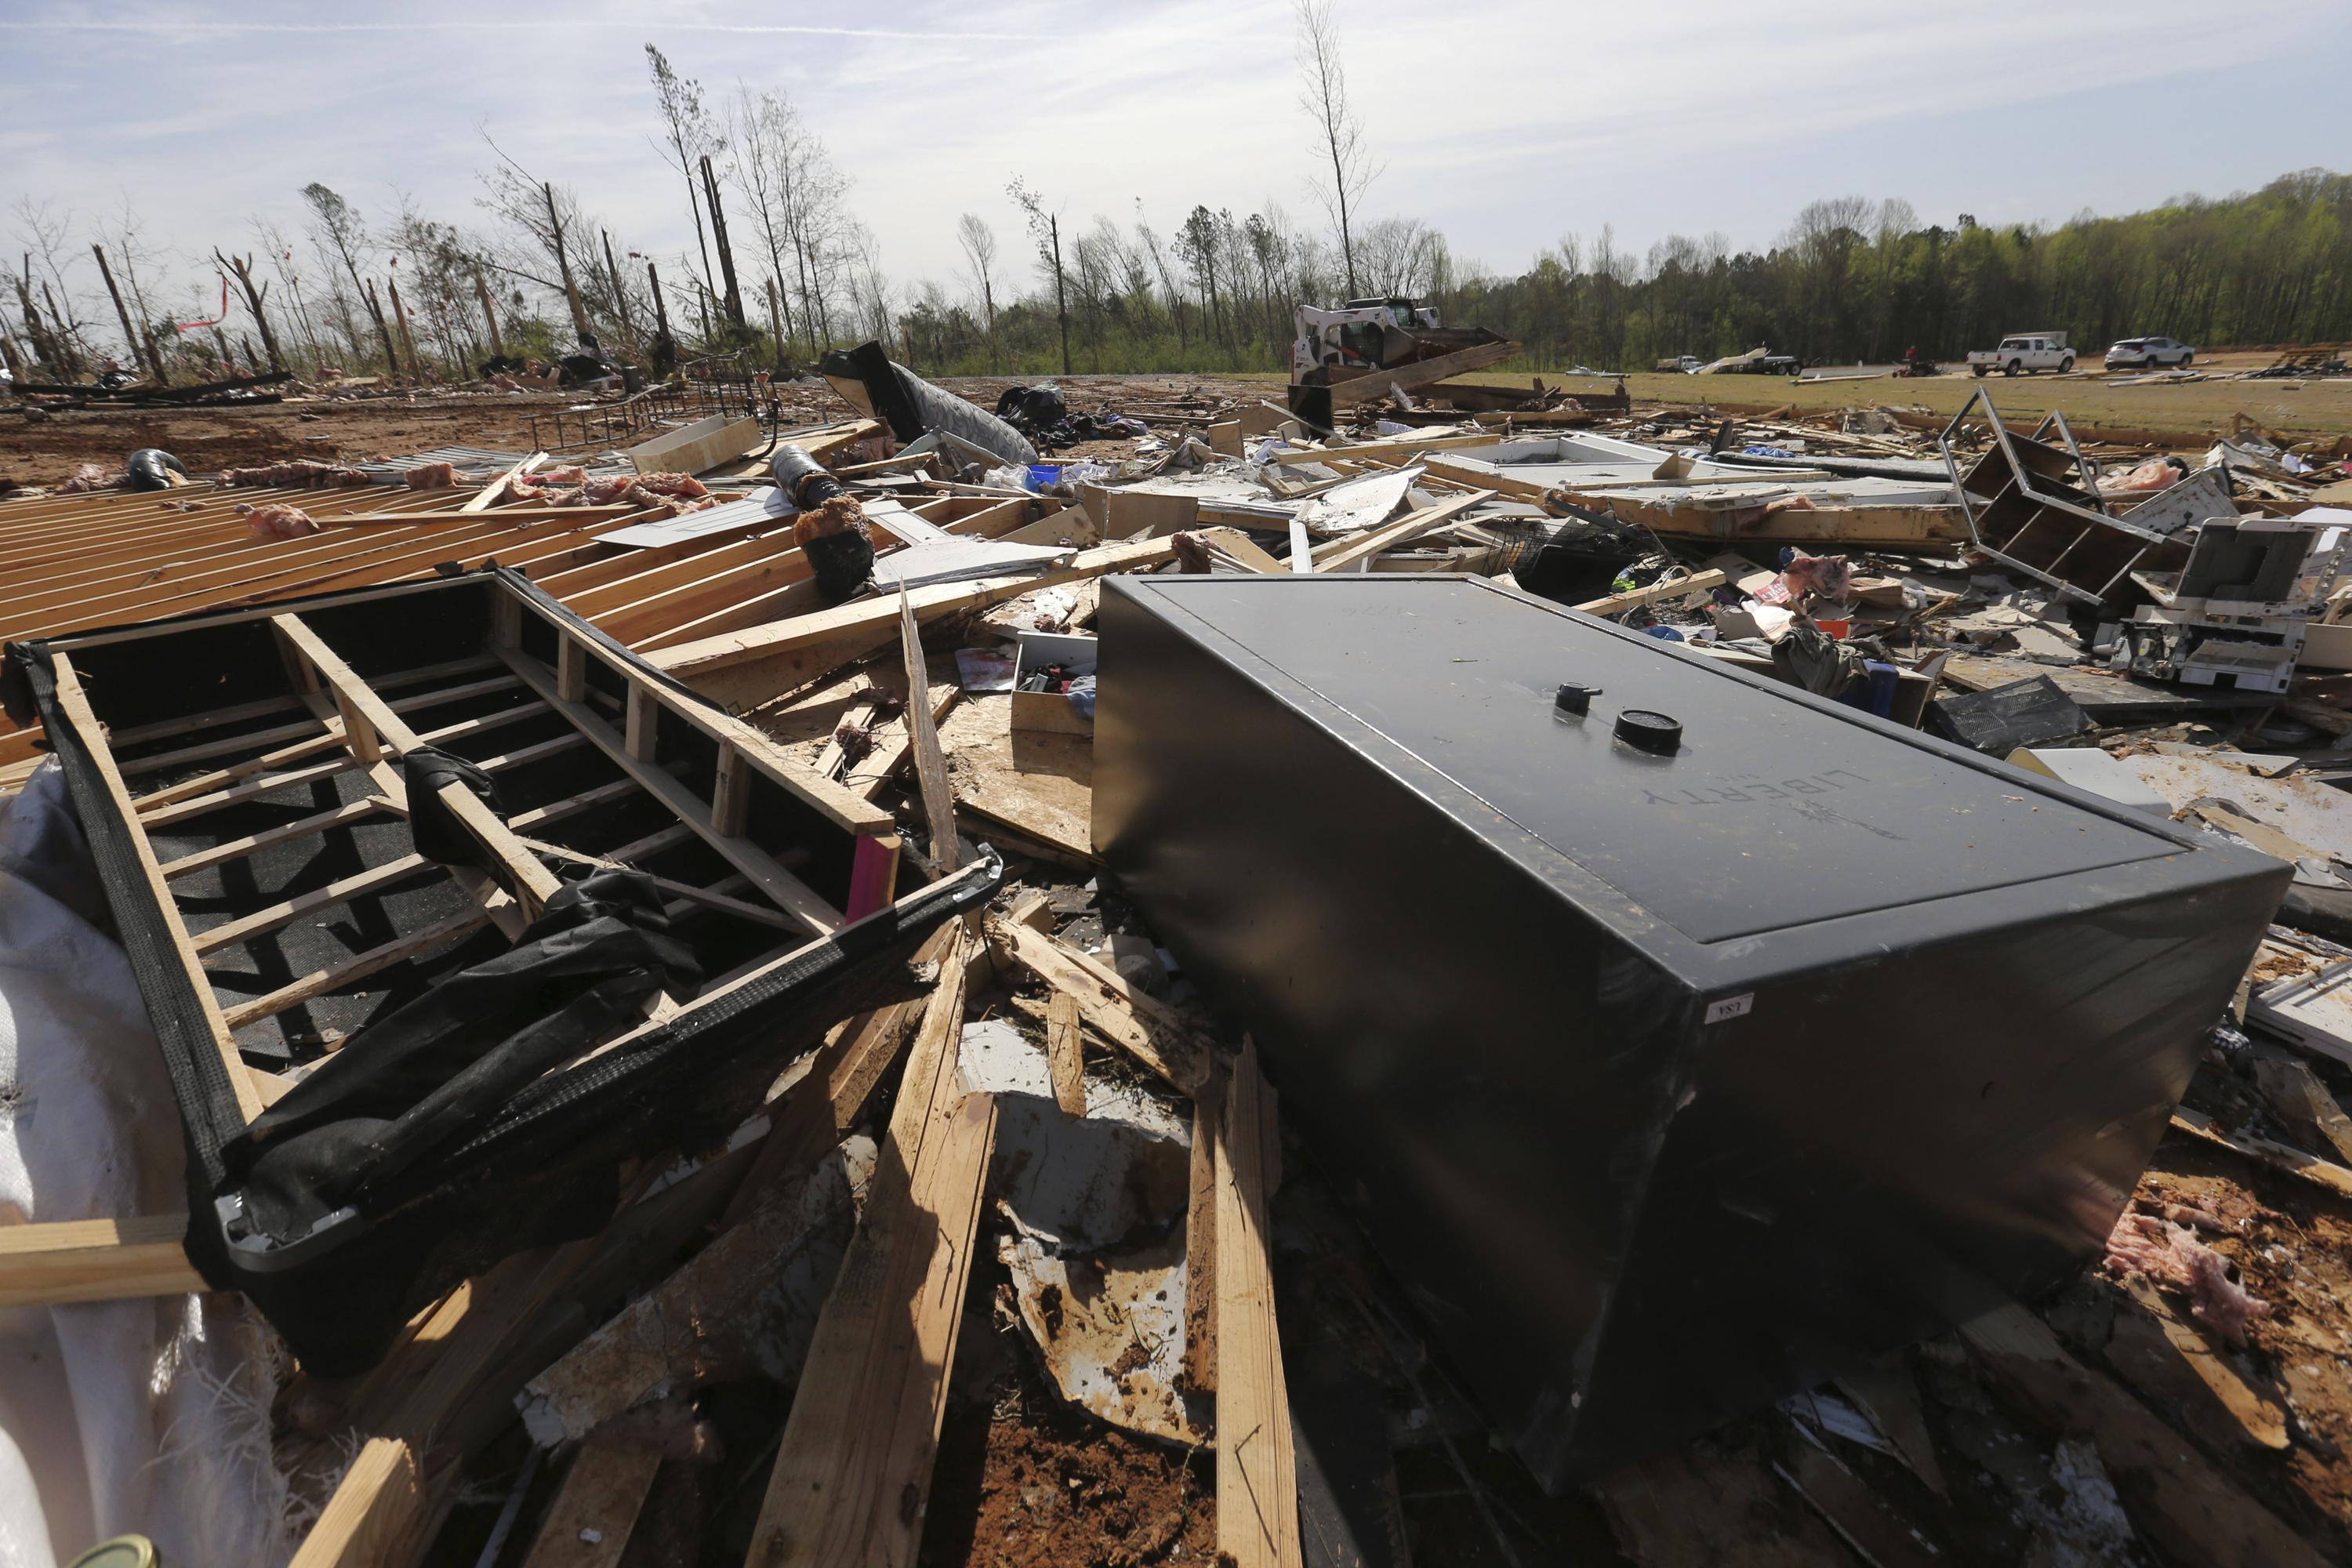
{"x": 730, "y": 1035}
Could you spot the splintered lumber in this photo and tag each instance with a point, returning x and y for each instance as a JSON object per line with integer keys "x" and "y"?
{"x": 2337, "y": 1179}
{"x": 75, "y": 705}
{"x": 490, "y": 492}
{"x": 763, "y": 660}
{"x": 1200, "y": 1239}
{"x": 658, "y": 1340}
{"x": 1145, "y": 1029}
{"x": 1373, "y": 384}
{"x": 1404, "y": 530}
{"x": 923, "y": 740}
{"x": 1065, "y": 1054}
{"x": 588, "y": 1524}
{"x": 2159, "y": 1352}
{"x": 1257, "y": 1473}
{"x": 1037, "y": 782}
{"x": 2188, "y": 1509}
{"x": 44, "y": 1265}
{"x": 697, "y": 449}
{"x": 855, "y": 1463}
{"x": 1616, "y": 604}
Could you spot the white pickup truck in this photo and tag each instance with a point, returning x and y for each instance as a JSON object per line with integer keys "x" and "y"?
{"x": 2027, "y": 351}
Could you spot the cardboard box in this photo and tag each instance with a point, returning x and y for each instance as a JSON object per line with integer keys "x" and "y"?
{"x": 1051, "y": 710}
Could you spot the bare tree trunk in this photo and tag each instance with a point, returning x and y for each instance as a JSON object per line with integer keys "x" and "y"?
{"x": 775, "y": 321}
{"x": 19, "y": 368}
{"x": 1061, "y": 298}
{"x": 251, "y": 359}
{"x": 407, "y": 337}
{"x": 228, "y": 360}
{"x": 61, "y": 334}
{"x": 489, "y": 315}
{"x": 375, "y": 308}
{"x": 43, "y": 350}
{"x": 130, "y": 335}
{"x": 620, "y": 295}
{"x": 243, "y": 268}
{"x": 726, "y": 251}
{"x": 563, "y": 261}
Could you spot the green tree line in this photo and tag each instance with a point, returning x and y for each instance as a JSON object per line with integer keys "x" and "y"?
{"x": 1851, "y": 281}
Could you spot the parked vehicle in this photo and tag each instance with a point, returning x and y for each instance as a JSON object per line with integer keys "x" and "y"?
{"x": 2027, "y": 351}
{"x": 2149, "y": 354}
{"x": 1681, "y": 364}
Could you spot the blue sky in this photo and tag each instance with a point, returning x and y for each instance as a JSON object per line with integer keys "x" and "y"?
{"x": 1505, "y": 124}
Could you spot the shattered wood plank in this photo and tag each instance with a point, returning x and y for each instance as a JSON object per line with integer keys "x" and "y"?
{"x": 2188, "y": 1509}
{"x": 1703, "y": 1503}
{"x": 489, "y": 494}
{"x": 589, "y": 1523}
{"x": 1885, "y": 1391}
{"x": 1257, "y": 1469}
{"x": 1848, "y": 1505}
{"x": 50, "y": 1263}
{"x": 1145, "y": 1027}
{"x": 663, "y": 1339}
{"x": 1065, "y": 1053}
{"x": 2297, "y": 1098}
{"x": 1038, "y": 783}
{"x": 1201, "y": 1240}
{"x": 1375, "y": 384}
{"x": 2337, "y": 1179}
{"x": 848, "y": 630}
{"x": 923, "y": 741}
{"x": 1404, "y": 530}
{"x": 2151, "y": 1347}
{"x": 855, "y": 1463}
{"x": 1615, "y": 604}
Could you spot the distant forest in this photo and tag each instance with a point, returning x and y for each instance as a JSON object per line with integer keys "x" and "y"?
{"x": 1851, "y": 280}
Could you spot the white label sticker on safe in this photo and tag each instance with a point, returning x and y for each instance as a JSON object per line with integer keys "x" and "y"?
{"x": 1730, "y": 1007}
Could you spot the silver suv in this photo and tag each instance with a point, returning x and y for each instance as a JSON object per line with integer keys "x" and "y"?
{"x": 2149, "y": 354}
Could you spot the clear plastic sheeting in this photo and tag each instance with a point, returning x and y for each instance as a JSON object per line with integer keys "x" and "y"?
{"x": 150, "y": 1414}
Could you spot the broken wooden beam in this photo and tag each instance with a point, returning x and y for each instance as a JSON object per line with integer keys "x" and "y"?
{"x": 1148, "y": 1029}
{"x": 855, "y": 1463}
{"x": 1257, "y": 1473}
{"x": 2188, "y": 1509}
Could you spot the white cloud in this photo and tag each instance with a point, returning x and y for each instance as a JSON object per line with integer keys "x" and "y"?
{"x": 1506, "y": 122}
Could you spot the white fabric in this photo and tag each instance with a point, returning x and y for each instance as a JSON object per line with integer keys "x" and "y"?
{"x": 147, "y": 1416}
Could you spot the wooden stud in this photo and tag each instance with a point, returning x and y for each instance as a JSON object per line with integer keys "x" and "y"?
{"x": 730, "y": 791}
{"x": 792, "y": 895}
{"x": 49, "y": 1264}
{"x": 570, "y": 670}
{"x": 873, "y": 874}
{"x": 358, "y": 966}
{"x": 930, "y": 762}
{"x": 643, "y": 736}
{"x": 589, "y": 1523}
{"x": 855, "y": 1463}
{"x": 1257, "y": 1475}
{"x": 75, "y": 708}
{"x": 1145, "y": 1027}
